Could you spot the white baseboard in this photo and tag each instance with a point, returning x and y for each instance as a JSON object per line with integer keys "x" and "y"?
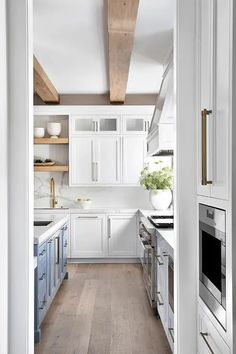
{"x": 103, "y": 260}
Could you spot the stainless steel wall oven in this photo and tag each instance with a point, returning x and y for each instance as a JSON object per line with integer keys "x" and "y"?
{"x": 212, "y": 260}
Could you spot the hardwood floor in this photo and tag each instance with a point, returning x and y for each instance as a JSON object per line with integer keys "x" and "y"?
{"x": 102, "y": 309}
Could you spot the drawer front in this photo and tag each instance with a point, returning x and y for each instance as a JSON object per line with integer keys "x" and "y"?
{"x": 209, "y": 339}
{"x": 42, "y": 253}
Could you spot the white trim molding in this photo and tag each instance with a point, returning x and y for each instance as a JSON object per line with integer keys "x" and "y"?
{"x": 185, "y": 197}
{"x": 20, "y": 157}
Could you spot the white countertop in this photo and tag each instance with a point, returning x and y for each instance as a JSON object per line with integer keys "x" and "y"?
{"x": 167, "y": 234}
{"x": 42, "y": 233}
{"x": 91, "y": 210}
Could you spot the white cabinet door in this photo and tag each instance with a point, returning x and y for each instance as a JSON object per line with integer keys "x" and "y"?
{"x": 209, "y": 339}
{"x": 134, "y": 150}
{"x": 214, "y": 98}
{"x": 122, "y": 235}
{"x": 109, "y": 124}
{"x": 107, "y": 157}
{"x": 82, "y": 168}
{"x": 83, "y": 124}
{"x": 221, "y": 109}
{"x": 205, "y": 77}
{"x": 133, "y": 124}
{"x": 94, "y": 161}
{"x": 87, "y": 236}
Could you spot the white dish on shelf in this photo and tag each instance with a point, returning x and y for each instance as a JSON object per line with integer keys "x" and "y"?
{"x": 39, "y": 132}
{"x": 84, "y": 203}
{"x": 54, "y": 129}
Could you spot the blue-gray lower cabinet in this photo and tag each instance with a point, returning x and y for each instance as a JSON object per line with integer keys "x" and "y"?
{"x": 49, "y": 274}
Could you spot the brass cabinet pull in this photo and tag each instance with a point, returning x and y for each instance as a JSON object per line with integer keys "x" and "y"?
{"x": 204, "y": 335}
{"x": 204, "y": 114}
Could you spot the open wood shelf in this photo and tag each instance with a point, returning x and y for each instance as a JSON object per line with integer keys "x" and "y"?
{"x": 51, "y": 141}
{"x": 54, "y": 168}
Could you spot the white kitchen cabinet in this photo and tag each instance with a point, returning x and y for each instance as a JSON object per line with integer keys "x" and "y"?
{"x": 122, "y": 236}
{"x": 214, "y": 73}
{"x": 94, "y": 124}
{"x": 107, "y": 156}
{"x": 87, "y": 236}
{"x": 82, "y": 166}
{"x": 133, "y": 124}
{"x": 94, "y": 160}
{"x": 209, "y": 339}
{"x": 134, "y": 151}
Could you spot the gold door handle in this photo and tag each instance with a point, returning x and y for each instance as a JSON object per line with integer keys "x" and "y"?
{"x": 205, "y": 113}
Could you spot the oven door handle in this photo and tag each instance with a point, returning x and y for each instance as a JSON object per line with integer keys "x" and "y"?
{"x": 204, "y": 335}
{"x": 158, "y": 260}
{"x": 147, "y": 247}
{"x": 160, "y": 301}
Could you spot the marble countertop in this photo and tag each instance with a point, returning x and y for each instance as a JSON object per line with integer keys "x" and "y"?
{"x": 91, "y": 210}
{"x": 42, "y": 233}
{"x": 167, "y": 234}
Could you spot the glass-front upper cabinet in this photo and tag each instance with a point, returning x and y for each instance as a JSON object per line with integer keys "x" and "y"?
{"x": 109, "y": 124}
{"x": 86, "y": 124}
{"x": 133, "y": 124}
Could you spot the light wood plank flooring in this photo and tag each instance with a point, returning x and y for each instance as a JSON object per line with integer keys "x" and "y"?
{"x": 102, "y": 309}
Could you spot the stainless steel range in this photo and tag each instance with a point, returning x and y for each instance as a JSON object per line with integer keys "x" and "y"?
{"x": 212, "y": 260}
{"x": 148, "y": 241}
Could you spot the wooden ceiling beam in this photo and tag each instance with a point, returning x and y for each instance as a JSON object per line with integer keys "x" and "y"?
{"x": 43, "y": 86}
{"x": 122, "y": 17}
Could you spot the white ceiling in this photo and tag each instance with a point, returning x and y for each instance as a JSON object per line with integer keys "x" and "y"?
{"x": 70, "y": 41}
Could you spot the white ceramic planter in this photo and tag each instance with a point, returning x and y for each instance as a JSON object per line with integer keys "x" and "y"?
{"x": 160, "y": 199}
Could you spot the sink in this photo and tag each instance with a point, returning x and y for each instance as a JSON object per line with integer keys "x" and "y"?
{"x": 42, "y": 223}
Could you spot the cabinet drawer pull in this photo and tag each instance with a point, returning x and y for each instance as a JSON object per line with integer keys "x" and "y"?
{"x": 158, "y": 260}
{"x": 87, "y": 217}
{"x": 109, "y": 228}
{"x": 205, "y": 113}
{"x": 42, "y": 253}
{"x": 43, "y": 276}
{"x": 160, "y": 302}
{"x": 204, "y": 335}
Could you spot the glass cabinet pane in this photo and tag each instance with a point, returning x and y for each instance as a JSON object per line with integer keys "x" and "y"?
{"x": 84, "y": 125}
{"x": 134, "y": 124}
{"x": 108, "y": 124}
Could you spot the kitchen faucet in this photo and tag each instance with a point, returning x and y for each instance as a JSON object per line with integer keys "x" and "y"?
{"x": 53, "y": 192}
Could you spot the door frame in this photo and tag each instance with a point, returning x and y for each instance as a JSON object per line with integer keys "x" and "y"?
{"x": 3, "y": 183}
{"x": 185, "y": 196}
{"x": 19, "y": 34}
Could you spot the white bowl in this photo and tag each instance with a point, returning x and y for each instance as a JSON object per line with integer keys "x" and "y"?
{"x": 84, "y": 204}
{"x": 39, "y": 132}
{"x": 54, "y": 129}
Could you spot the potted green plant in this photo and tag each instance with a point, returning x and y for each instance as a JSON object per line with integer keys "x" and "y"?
{"x": 159, "y": 183}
